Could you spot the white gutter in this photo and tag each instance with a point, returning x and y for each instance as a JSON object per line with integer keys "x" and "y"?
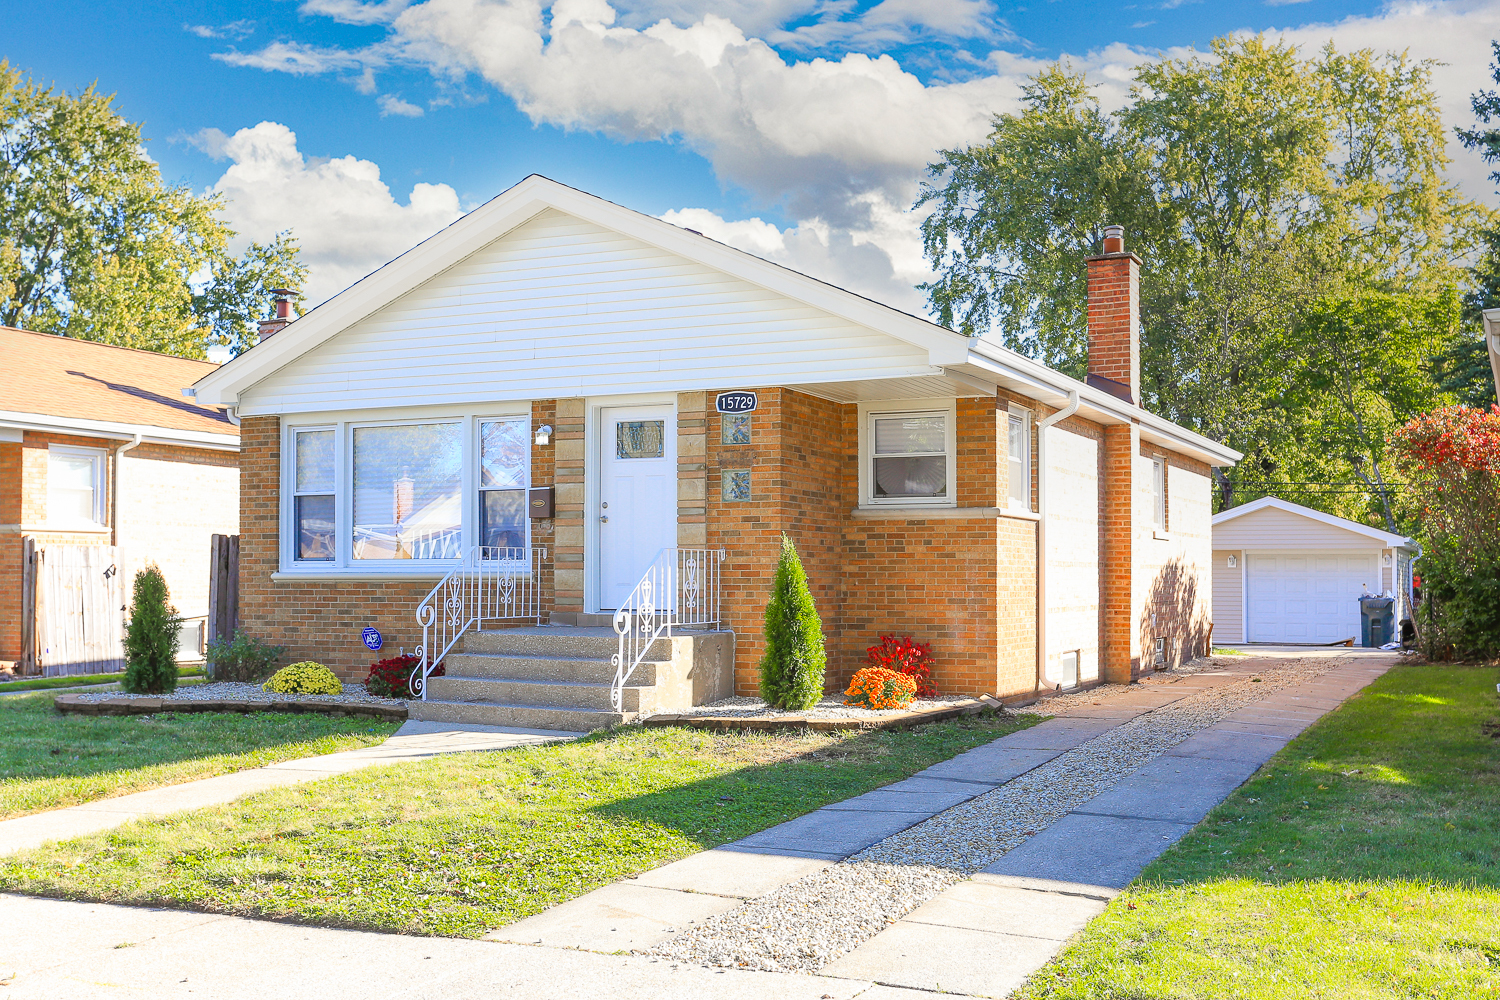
{"x": 148, "y": 433}
{"x": 115, "y": 486}
{"x": 1041, "y": 533}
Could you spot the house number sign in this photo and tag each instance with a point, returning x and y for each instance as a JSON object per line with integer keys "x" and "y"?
{"x": 371, "y": 638}
{"x": 735, "y": 402}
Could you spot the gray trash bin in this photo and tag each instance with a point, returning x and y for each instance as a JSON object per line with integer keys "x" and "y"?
{"x": 1377, "y": 621}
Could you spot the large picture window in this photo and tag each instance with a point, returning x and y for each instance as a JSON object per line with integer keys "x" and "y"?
{"x": 910, "y": 457}
{"x": 365, "y": 496}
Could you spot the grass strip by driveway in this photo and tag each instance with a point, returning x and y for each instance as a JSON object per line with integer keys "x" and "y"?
{"x": 463, "y": 843}
{"x": 80, "y": 680}
{"x": 49, "y": 760}
{"x": 1362, "y": 862}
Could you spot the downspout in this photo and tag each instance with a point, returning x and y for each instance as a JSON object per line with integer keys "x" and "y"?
{"x": 115, "y": 487}
{"x": 233, "y": 413}
{"x": 1041, "y": 534}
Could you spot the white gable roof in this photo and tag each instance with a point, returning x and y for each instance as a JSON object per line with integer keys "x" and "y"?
{"x": 1227, "y": 518}
{"x": 389, "y": 314}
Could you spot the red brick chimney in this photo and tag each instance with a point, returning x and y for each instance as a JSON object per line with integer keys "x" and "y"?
{"x": 1115, "y": 318}
{"x": 274, "y": 325}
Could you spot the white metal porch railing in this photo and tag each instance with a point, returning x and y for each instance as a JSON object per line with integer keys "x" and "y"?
{"x": 491, "y": 584}
{"x": 681, "y": 588}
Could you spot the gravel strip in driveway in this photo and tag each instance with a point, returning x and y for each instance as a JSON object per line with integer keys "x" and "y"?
{"x": 805, "y": 925}
{"x": 234, "y": 691}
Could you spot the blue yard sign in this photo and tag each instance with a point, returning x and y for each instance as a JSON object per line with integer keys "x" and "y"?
{"x": 371, "y": 638}
{"x": 735, "y": 402}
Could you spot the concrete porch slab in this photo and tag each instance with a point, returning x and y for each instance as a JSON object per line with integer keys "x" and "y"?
{"x": 722, "y": 872}
{"x": 617, "y": 918}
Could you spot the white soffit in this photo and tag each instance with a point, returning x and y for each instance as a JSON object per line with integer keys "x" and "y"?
{"x": 922, "y": 387}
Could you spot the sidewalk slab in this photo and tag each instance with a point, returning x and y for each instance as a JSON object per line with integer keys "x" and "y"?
{"x": 1062, "y": 733}
{"x": 930, "y": 802}
{"x": 996, "y": 766}
{"x": 987, "y": 906}
{"x": 947, "y": 959}
{"x": 727, "y": 872}
{"x": 619, "y": 917}
{"x": 839, "y": 832}
{"x": 1096, "y": 850}
{"x": 1183, "y": 793}
{"x": 1222, "y": 745}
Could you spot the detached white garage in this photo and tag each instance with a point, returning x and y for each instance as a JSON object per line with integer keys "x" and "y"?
{"x": 1285, "y": 573}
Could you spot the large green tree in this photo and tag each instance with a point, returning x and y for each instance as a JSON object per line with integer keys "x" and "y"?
{"x": 94, "y": 245}
{"x": 1260, "y": 188}
{"x": 1466, "y": 364}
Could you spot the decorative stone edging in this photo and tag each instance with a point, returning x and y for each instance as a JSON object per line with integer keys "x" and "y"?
{"x": 73, "y": 704}
{"x": 902, "y": 720}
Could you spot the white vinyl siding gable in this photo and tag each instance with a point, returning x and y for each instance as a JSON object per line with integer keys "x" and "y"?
{"x": 560, "y": 307}
{"x": 1279, "y": 529}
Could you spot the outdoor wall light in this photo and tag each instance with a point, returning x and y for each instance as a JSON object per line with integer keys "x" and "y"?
{"x": 544, "y": 434}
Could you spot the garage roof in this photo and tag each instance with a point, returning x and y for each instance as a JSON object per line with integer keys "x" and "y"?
{"x": 1386, "y": 538}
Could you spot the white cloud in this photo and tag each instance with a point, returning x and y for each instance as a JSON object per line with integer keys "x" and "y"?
{"x": 234, "y": 29}
{"x": 840, "y": 144}
{"x": 209, "y": 141}
{"x": 897, "y": 22}
{"x": 392, "y": 104}
{"x": 344, "y": 215}
{"x": 355, "y": 11}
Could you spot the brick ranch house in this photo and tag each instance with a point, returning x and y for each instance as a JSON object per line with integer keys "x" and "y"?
{"x": 104, "y": 467}
{"x": 553, "y": 339}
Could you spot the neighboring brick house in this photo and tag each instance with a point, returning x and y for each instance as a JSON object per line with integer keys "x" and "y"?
{"x": 552, "y": 339}
{"x": 99, "y": 447}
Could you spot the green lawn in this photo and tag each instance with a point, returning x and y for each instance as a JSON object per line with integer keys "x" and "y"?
{"x": 49, "y": 760}
{"x": 464, "y": 843}
{"x": 1362, "y": 862}
{"x": 81, "y": 680}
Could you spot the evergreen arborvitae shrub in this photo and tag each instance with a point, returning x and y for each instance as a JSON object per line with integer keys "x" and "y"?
{"x": 151, "y": 636}
{"x": 791, "y": 670}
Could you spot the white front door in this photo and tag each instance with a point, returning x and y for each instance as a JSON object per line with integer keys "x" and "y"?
{"x": 637, "y": 495}
{"x": 1308, "y": 597}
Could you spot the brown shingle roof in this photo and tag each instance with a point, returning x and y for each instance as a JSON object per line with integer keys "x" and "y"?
{"x": 65, "y": 377}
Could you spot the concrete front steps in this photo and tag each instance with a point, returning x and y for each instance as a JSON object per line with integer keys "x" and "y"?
{"x": 559, "y": 677}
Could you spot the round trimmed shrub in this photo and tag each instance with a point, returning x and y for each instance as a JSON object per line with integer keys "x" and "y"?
{"x": 306, "y": 677}
{"x": 878, "y": 688}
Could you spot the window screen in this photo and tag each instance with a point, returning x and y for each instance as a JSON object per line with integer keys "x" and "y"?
{"x": 909, "y": 456}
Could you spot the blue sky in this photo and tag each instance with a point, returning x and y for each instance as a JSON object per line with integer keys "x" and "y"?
{"x": 794, "y": 128}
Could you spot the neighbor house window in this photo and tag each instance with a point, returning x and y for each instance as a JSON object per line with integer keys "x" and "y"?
{"x": 1018, "y": 442}
{"x": 408, "y": 491}
{"x": 504, "y": 458}
{"x": 1159, "y": 494}
{"x": 910, "y": 457}
{"x": 75, "y": 487}
{"x": 313, "y": 491}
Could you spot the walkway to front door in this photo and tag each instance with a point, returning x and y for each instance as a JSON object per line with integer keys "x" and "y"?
{"x": 637, "y": 495}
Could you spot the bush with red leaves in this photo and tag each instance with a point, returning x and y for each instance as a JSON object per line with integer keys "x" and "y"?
{"x": 391, "y": 678}
{"x": 914, "y": 659}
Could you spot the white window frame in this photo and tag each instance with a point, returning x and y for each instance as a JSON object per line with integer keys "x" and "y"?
{"x": 1024, "y": 415}
{"x": 344, "y": 565}
{"x": 100, "y": 461}
{"x": 478, "y": 445}
{"x": 1159, "y": 521}
{"x": 946, "y": 408}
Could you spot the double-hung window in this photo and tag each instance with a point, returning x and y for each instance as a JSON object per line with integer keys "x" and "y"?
{"x": 313, "y": 494}
{"x": 909, "y": 458}
{"x": 1159, "y": 493}
{"x": 1018, "y": 444}
{"x": 366, "y": 495}
{"x": 75, "y": 487}
{"x": 504, "y": 453}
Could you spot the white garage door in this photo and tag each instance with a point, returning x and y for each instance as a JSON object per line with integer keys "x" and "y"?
{"x": 1307, "y": 596}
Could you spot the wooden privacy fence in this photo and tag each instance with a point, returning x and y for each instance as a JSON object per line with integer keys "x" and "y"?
{"x": 73, "y": 613}
{"x": 223, "y": 586}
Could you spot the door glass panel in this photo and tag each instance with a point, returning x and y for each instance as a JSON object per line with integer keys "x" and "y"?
{"x": 639, "y": 438}
{"x": 407, "y": 496}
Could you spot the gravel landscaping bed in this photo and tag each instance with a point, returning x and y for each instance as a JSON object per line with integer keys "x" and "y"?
{"x": 831, "y": 707}
{"x": 354, "y": 694}
{"x": 805, "y": 925}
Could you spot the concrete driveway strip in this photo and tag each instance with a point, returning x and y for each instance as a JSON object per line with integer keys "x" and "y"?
{"x": 414, "y": 741}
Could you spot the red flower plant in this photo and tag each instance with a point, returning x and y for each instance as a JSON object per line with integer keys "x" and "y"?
{"x": 391, "y": 678}
{"x": 905, "y": 656}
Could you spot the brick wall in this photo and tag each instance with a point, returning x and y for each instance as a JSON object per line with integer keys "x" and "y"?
{"x": 10, "y": 550}
{"x": 1114, "y": 319}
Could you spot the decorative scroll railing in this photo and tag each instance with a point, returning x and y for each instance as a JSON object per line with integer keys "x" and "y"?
{"x": 680, "y": 589}
{"x": 491, "y": 584}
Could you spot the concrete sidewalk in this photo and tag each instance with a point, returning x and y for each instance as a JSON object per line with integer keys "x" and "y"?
{"x": 413, "y": 741}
